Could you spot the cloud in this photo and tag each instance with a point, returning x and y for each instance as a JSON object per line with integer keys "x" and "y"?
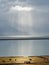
{"x": 20, "y": 8}
{"x": 22, "y": 15}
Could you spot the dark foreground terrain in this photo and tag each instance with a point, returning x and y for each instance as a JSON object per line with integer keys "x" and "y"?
{"x": 27, "y": 64}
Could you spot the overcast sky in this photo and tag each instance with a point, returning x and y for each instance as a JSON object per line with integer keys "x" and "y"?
{"x": 24, "y": 17}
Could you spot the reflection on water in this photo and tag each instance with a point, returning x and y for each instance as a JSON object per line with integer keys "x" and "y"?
{"x": 24, "y": 48}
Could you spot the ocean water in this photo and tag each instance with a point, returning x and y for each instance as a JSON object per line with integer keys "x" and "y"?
{"x": 24, "y": 48}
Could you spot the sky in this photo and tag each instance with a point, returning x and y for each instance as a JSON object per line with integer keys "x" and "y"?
{"x": 24, "y": 17}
